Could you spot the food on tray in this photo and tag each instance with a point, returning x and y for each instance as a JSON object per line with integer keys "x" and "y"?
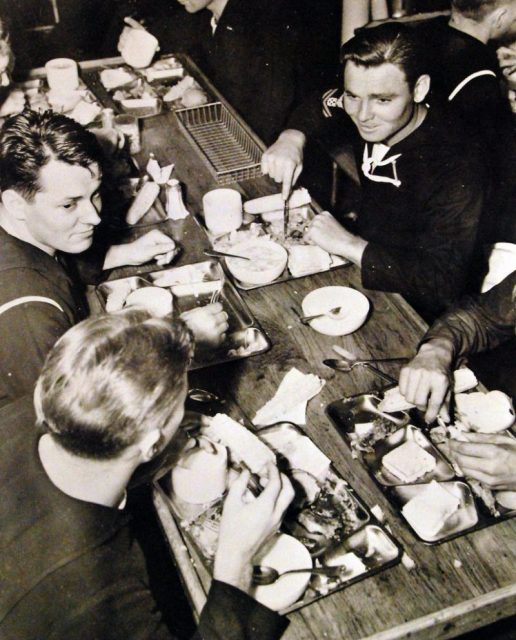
{"x": 350, "y": 563}
{"x": 409, "y": 461}
{"x": 428, "y": 511}
{"x": 191, "y": 279}
{"x": 200, "y": 474}
{"x": 464, "y": 379}
{"x": 14, "y": 103}
{"x": 243, "y": 445}
{"x": 332, "y": 515}
{"x": 142, "y": 202}
{"x": 85, "y": 112}
{"x": 245, "y": 342}
{"x": 306, "y": 259}
{"x": 155, "y": 300}
{"x": 178, "y": 90}
{"x": 299, "y": 451}
{"x": 267, "y": 261}
{"x": 64, "y": 101}
{"x": 115, "y": 78}
{"x": 164, "y": 69}
{"x": 117, "y": 296}
{"x": 283, "y": 553}
{"x": 506, "y": 499}
{"x": 485, "y": 412}
{"x": 367, "y": 434}
{"x": 147, "y": 102}
{"x": 194, "y": 97}
{"x": 298, "y": 198}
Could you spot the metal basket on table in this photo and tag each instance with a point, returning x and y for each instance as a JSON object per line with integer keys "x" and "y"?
{"x": 229, "y": 151}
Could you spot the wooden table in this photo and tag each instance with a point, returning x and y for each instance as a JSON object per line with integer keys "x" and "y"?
{"x": 455, "y": 587}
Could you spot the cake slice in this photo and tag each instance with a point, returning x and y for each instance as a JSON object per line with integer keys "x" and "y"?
{"x": 428, "y": 511}
{"x": 409, "y": 461}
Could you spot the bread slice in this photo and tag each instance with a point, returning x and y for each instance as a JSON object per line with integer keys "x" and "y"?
{"x": 485, "y": 412}
{"x": 409, "y": 461}
{"x": 428, "y": 511}
{"x": 243, "y": 445}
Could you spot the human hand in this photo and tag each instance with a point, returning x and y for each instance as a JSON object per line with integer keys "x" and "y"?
{"x": 154, "y": 244}
{"x": 283, "y": 161}
{"x": 331, "y": 236}
{"x": 208, "y": 324}
{"x": 246, "y": 526}
{"x": 425, "y": 380}
{"x": 489, "y": 458}
{"x": 507, "y": 59}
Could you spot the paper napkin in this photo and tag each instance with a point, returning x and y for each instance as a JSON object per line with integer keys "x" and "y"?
{"x": 290, "y": 400}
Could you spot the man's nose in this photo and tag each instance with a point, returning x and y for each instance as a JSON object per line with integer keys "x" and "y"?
{"x": 90, "y": 213}
{"x": 364, "y": 111}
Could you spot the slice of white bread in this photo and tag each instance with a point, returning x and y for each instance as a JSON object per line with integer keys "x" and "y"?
{"x": 428, "y": 511}
{"x": 242, "y": 443}
{"x": 464, "y": 379}
{"x": 409, "y": 461}
{"x": 485, "y": 412}
{"x": 155, "y": 300}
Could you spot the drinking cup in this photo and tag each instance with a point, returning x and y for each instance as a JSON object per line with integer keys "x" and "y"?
{"x": 222, "y": 210}
{"x": 62, "y": 75}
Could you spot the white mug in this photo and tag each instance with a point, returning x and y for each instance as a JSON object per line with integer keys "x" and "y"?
{"x": 62, "y": 75}
{"x": 222, "y": 210}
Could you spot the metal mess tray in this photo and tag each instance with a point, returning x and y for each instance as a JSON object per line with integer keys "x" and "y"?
{"x": 333, "y": 523}
{"x": 194, "y": 286}
{"x": 370, "y": 437}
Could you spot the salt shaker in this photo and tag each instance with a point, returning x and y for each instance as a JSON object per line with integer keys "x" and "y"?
{"x": 176, "y": 209}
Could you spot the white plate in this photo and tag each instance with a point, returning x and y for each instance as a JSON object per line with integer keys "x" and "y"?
{"x": 355, "y": 307}
{"x": 283, "y": 552}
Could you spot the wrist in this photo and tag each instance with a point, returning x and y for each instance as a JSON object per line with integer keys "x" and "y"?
{"x": 114, "y": 257}
{"x": 233, "y": 570}
{"x": 293, "y": 136}
{"x": 440, "y": 347}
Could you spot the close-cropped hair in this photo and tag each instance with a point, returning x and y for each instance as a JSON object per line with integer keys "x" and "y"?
{"x": 110, "y": 379}
{"x": 31, "y": 139}
{"x": 392, "y": 43}
{"x": 477, "y": 9}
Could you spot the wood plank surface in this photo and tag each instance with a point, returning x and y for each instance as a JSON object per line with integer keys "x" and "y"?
{"x": 456, "y": 586}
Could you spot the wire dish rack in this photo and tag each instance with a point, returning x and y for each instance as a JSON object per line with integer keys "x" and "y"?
{"x": 228, "y": 150}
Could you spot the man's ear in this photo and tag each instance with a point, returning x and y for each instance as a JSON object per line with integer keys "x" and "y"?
{"x": 497, "y": 20}
{"x": 421, "y": 88}
{"x": 15, "y": 203}
{"x": 149, "y": 444}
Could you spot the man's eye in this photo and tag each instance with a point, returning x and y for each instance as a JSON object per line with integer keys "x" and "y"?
{"x": 350, "y": 96}
{"x": 68, "y": 206}
{"x": 384, "y": 100}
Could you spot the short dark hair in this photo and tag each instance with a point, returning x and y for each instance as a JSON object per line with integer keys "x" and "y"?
{"x": 392, "y": 43}
{"x": 477, "y": 9}
{"x": 30, "y": 139}
{"x": 110, "y": 379}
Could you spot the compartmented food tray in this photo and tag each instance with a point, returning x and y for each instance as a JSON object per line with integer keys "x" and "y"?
{"x": 408, "y": 461}
{"x": 194, "y": 286}
{"x": 270, "y": 227}
{"x": 327, "y": 517}
{"x": 227, "y": 149}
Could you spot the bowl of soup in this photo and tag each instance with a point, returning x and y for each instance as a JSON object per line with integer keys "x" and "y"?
{"x": 267, "y": 261}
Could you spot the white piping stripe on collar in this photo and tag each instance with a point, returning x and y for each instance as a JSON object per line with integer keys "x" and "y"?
{"x": 17, "y": 301}
{"x": 461, "y": 85}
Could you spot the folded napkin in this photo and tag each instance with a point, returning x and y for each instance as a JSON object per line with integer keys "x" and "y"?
{"x": 290, "y": 400}
{"x": 160, "y": 175}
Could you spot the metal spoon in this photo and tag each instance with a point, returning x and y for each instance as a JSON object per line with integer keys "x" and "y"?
{"x": 333, "y": 363}
{"x": 202, "y": 395}
{"x": 263, "y": 575}
{"x": 325, "y": 314}
{"x": 345, "y": 364}
{"x": 213, "y": 253}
